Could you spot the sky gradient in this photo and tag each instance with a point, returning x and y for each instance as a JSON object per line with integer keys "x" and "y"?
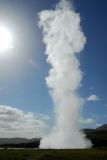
{"x": 24, "y": 68}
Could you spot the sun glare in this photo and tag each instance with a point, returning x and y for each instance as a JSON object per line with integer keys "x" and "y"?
{"x": 5, "y": 39}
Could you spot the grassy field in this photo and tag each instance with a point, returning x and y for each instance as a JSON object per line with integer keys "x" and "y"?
{"x": 33, "y": 154}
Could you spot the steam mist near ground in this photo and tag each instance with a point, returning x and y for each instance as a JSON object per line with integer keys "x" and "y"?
{"x": 64, "y": 39}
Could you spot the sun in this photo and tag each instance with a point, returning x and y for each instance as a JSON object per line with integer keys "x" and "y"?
{"x": 5, "y": 39}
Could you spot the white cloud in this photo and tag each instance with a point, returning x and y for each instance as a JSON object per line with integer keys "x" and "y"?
{"x": 44, "y": 116}
{"x": 88, "y": 121}
{"x": 15, "y": 122}
{"x": 91, "y": 88}
{"x": 105, "y": 116}
{"x": 93, "y": 97}
{"x": 98, "y": 124}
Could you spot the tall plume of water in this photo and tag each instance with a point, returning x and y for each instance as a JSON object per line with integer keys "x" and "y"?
{"x": 64, "y": 39}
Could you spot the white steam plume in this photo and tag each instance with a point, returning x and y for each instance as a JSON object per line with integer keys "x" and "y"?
{"x": 64, "y": 38}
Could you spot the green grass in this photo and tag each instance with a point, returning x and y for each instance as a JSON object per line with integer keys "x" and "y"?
{"x": 33, "y": 154}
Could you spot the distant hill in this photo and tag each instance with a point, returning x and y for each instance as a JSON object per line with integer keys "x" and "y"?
{"x": 103, "y": 127}
{"x": 16, "y": 140}
{"x": 98, "y": 136}
{"x": 19, "y": 143}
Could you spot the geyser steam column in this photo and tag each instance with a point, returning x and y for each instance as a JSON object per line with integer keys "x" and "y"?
{"x": 64, "y": 38}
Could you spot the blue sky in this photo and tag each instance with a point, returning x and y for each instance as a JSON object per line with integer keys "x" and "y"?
{"x": 23, "y": 70}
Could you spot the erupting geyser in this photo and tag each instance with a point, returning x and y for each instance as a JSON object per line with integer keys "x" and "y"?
{"x": 64, "y": 39}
